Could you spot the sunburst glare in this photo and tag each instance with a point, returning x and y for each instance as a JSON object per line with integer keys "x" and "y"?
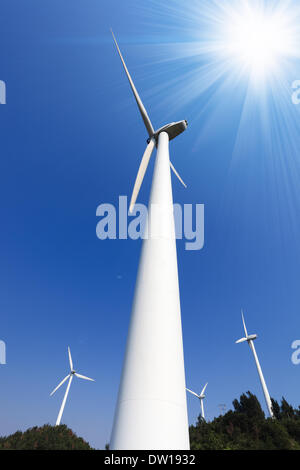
{"x": 257, "y": 39}
{"x": 232, "y": 65}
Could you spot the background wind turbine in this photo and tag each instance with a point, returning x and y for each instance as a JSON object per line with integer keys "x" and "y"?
{"x": 250, "y": 339}
{"x": 70, "y": 377}
{"x": 154, "y": 361}
{"x": 201, "y": 398}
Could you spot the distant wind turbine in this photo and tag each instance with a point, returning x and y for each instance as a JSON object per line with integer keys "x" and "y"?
{"x": 201, "y": 398}
{"x": 250, "y": 339}
{"x": 70, "y": 377}
{"x": 147, "y": 416}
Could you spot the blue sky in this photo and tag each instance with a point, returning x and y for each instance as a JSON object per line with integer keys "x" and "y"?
{"x": 71, "y": 139}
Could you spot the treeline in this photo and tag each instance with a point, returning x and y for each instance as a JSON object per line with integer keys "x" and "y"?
{"x": 44, "y": 438}
{"x": 246, "y": 428}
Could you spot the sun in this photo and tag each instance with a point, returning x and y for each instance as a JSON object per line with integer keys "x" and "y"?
{"x": 257, "y": 40}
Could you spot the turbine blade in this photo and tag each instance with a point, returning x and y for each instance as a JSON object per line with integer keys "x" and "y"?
{"x": 141, "y": 172}
{"x": 241, "y": 340}
{"x": 204, "y": 388}
{"x": 141, "y": 107}
{"x": 245, "y": 329}
{"x": 193, "y": 393}
{"x": 176, "y": 173}
{"x": 70, "y": 358}
{"x": 59, "y": 385}
{"x": 83, "y": 377}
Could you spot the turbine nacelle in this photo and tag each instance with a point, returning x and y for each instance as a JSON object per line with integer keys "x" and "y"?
{"x": 251, "y": 337}
{"x": 173, "y": 130}
{"x": 248, "y": 338}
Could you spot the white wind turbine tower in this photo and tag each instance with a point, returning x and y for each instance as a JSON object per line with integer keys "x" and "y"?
{"x": 70, "y": 377}
{"x": 250, "y": 339}
{"x": 201, "y": 398}
{"x": 147, "y": 416}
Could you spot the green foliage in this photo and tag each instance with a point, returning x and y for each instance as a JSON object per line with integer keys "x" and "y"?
{"x": 249, "y": 406}
{"x": 44, "y": 438}
{"x": 246, "y": 428}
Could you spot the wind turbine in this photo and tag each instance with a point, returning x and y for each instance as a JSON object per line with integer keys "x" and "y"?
{"x": 70, "y": 377}
{"x": 250, "y": 339}
{"x": 201, "y": 398}
{"x": 147, "y": 416}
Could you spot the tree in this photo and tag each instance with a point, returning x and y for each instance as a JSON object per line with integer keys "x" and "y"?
{"x": 275, "y": 408}
{"x": 249, "y": 405}
{"x": 287, "y": 411}
{"x": 44, "y": 438}
{"x": 246, "y": 428}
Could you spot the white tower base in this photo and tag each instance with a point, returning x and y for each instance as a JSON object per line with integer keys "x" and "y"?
{"x": 262, "y": 380}
{"x": 151, "y": 412}
{"x": 202, "y": 409}
{"x": 64, "y": 402}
